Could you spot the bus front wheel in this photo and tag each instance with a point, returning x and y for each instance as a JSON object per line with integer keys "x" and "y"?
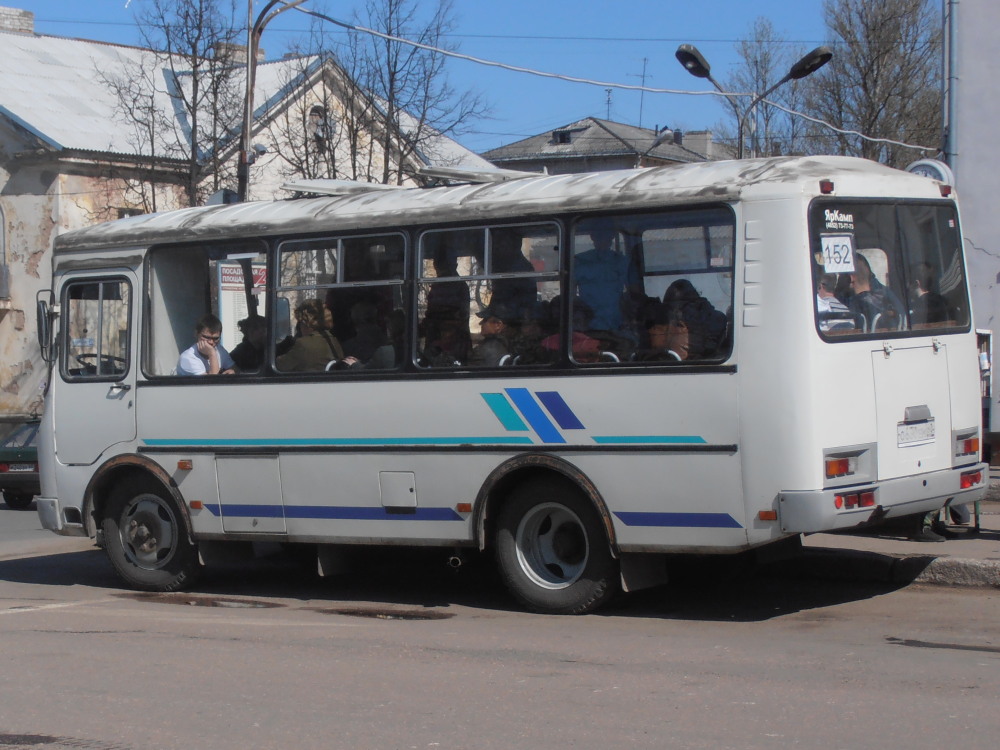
{"x": 147, "y": 541}
{"x": 552, "y": 551}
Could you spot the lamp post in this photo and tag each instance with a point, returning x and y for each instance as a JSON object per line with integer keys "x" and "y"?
{"x": 254, "y": 31}
{"x": 696, "y": 65}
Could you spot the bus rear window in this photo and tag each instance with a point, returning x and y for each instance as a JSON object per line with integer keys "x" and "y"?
{"x": 882, "y": 269}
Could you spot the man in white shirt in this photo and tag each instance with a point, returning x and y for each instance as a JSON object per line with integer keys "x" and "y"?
{"x": 826, "y": 302}
{"x": 206, "y": 356}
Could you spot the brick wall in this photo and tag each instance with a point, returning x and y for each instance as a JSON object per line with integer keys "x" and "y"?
{"x": 15, "y": 19}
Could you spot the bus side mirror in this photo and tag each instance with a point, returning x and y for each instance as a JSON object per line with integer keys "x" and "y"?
{"x": 43, "y": 323}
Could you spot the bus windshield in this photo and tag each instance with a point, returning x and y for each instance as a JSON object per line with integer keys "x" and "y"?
{"x": 887, "y": 269}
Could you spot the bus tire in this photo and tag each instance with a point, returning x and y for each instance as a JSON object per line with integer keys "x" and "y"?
{"x": 552, "y": 551}
{"x": 146, "y": 539}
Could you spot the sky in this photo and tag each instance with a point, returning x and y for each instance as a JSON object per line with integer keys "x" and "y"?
{"x": 615, "y": 42}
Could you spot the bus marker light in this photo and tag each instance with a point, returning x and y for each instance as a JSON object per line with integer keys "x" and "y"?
{"x": 867, "y": 499}
{"x": 839, "y": 467}
{"x": 185, "y": 464}
{"x": 768, "y": 515}
{"x": 945, "y": 190}
{"x": 826, "y": 186}
{"x": 838, "y": 501}
{"x": 970, "y": 479}
{"x": 196, "y": 505}
{"x": 464, "y": 507}
{"x": 968, "y": 447}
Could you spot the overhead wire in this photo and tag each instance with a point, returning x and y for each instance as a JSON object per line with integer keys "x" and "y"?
{"x": 591, "y": 82}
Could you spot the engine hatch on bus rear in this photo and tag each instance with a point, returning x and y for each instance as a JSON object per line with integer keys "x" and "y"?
{"x": 913, "y": 410}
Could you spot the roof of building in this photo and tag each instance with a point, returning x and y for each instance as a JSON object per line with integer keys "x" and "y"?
{"x": 56, "y": 89}
{"x": 592, "y": 137}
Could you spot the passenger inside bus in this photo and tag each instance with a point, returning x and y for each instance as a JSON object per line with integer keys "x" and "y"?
{"x": 315, "y": 347}
{"x": 536, "y": 325}
{"x": 368, "y": 336}
{"x": 516, "y": 295}
{"x": 585, "y": 347}
{"x": 707, "y": 327}
{"x": 605, "y": 279}
{"x": 445, "y": 327}
{"x": 872, "y": 298}
{"x": 927, "y": 307}
{"x": 249, "y": 353}
{"x": 833, "y": 314}
{"x": 206, "y": 356}
{"x": 494, "y": 347}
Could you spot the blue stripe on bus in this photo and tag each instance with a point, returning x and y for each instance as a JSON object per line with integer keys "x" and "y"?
{"x": 320, "y": 442}
{"x": 503, "y": 411}
{"x": 531, "y": 411}
{"x": 639, "y": 439}
{"x": 680, "y": 520}
{"x": 341, "y": 513}
{"x": 560, "y": 410}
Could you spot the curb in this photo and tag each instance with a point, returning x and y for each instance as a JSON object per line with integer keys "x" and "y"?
{"x": 873, "y": 567}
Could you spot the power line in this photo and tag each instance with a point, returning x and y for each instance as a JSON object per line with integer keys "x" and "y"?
{"x": 603, "y": 84}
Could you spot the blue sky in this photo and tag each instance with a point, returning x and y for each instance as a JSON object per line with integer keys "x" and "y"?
{"x": 602, "y": 40}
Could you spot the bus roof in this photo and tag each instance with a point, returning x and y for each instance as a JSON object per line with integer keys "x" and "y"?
{"x": 703, "y": 182}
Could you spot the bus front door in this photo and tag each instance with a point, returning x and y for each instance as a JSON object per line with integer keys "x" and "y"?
{"x": 95, "y": 406}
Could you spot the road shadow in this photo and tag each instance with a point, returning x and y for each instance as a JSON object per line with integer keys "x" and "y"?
{"x": 86, "y": 568}
{"x": 384, "y": 579}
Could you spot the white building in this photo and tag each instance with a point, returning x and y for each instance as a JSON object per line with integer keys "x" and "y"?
{"x": 69, "y": 158}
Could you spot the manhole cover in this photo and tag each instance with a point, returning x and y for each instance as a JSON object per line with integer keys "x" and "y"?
{"x": 201, "y": 601}
{"x": 379, "y": 613}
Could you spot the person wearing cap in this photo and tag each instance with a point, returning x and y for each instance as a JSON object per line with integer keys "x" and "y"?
{"x": 494, "y": 320}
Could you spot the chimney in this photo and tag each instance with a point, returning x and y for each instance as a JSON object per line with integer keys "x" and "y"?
{"x": 679, "y": 137}
{"x": 700, "y": 141}
{"x": 17, "y": 20}
{"x": 236, "y": 53}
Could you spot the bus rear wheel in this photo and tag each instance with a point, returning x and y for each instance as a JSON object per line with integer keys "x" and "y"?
{"x": 552, "y": 551}
{"x": 146, "y": 539}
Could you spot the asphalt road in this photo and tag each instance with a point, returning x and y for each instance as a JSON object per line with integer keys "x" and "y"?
{"x": 406, "y": 653}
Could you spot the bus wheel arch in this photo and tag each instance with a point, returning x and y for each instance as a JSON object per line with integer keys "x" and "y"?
{"x": 122, "y": 469}
{"x": 551, "y": 535}
{"x": 531, "y": 468}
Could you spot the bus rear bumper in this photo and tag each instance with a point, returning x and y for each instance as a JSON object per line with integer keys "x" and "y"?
{"x": 52, "y": 517}
{"x": 817, "y": 510}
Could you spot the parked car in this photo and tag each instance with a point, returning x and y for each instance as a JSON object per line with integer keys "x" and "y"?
{"x": 19, "y": 466}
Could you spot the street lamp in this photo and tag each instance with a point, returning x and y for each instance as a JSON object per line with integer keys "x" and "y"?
{"x": 254, "y": 31}
{"x": 697, "y": 66}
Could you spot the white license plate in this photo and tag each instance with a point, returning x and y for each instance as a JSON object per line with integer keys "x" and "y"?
{"x": 21, "y": 467}
{"x": 915, "y": 433}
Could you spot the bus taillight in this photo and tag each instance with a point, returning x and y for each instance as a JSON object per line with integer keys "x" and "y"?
{"x": 850, "y": 501}
{"x": 970, "y": 479}
{"x": 967, "y": 447}
{"x": 841, "y": 467}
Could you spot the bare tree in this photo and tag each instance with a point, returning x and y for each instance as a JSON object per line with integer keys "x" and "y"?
{"x": 765, "y": 58}
{"x": 185, "y": 107}
{"x": 408, "y": 85}
{"x": 137, "y": 104}
{"x": 884, "y": 80}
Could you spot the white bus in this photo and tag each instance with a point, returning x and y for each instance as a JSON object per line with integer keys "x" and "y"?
{"x": 705, "y": 358}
